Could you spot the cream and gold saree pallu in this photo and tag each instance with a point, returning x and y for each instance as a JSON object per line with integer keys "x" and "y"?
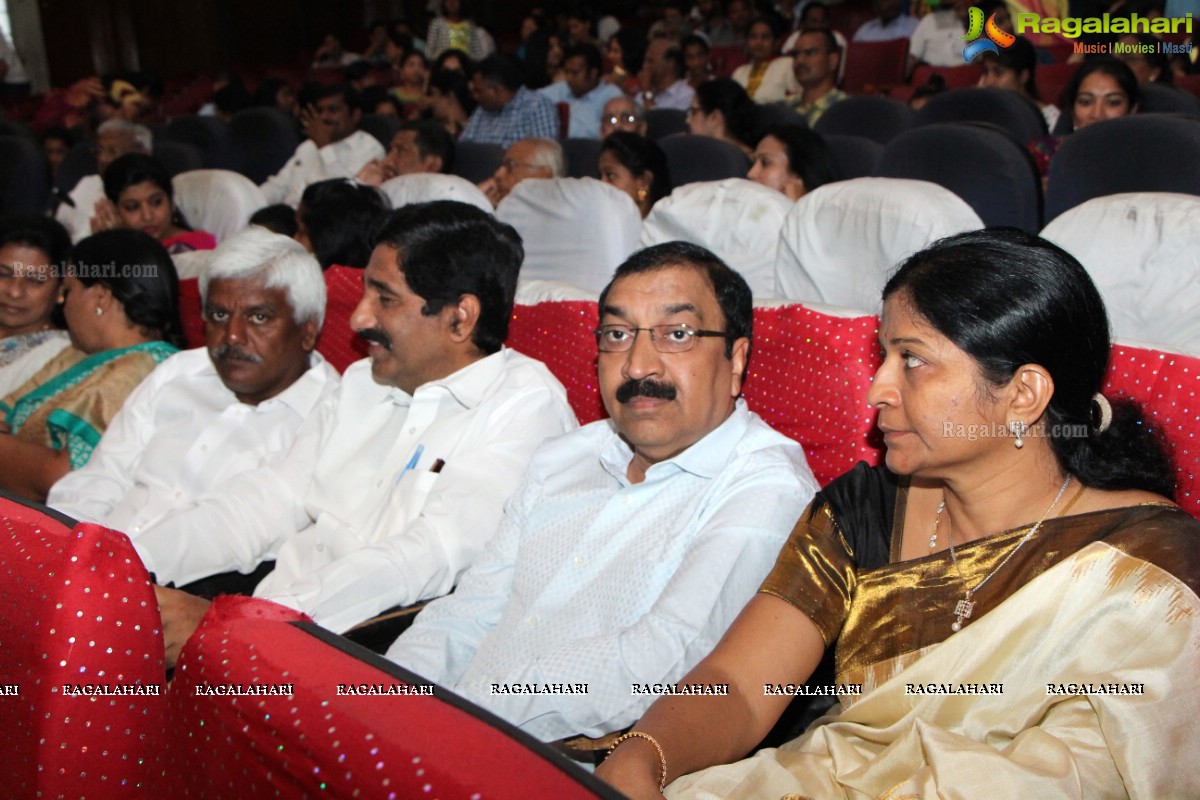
{"x": 993, "y": 711}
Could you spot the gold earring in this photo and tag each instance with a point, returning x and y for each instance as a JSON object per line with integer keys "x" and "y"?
{"x": 641, "y": 195}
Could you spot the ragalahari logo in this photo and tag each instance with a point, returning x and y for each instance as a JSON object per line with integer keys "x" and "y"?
{"x": 995, "y": 36}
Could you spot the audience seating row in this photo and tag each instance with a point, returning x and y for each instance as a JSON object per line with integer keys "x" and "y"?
{"x": 77, "y": 607}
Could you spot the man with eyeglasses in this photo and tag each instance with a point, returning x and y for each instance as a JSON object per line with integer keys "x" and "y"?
{"x": 630, "y": 544}
{"x": 528, "y": 158}
{"x": 621, "y": 114}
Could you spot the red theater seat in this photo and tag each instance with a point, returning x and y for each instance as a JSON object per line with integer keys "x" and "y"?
{"x": 559, "y": 334}
{"x": 191, "y": 314}
{"x": 318, "y": 743}
{"x": 76, "y": 608}
{"x": 1166, "y": 384}
{"x": 809, "y": 373}
{"x": 338, "y": 343}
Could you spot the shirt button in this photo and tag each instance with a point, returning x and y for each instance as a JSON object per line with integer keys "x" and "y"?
{"x": 533, "y": 620}
{"x": 203, "y": 448}
{"x": 178, "y": 495}
{"x": 320, "y": 548}
{"x": 626, "y": 500}
{"x": 579, "y": 561}
{"x": 411, "y": 431}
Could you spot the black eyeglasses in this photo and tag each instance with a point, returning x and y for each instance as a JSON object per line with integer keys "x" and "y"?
{"x": 665, "y": 338}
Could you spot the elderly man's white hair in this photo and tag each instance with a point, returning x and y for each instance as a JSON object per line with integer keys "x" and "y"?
{"x": 549, "y": 154}
{"x": 140, "y": 134}
{"x": 283, "y": 262}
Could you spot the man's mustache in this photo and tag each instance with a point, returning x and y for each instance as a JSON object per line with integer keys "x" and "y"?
{"x": 231, "y": 352}
{"x": 645, "y": 388}
{"x": 377, "y": 336}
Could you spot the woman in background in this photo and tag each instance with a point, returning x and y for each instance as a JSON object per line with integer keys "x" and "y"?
{"x": 33, "y": 254}
{"x": 722, "y": 109}
{"x": 792, "y": 160}
{"x": 1015, "y": 68}
{"x": 768, "y": 77}
{"x": 142, "y": 198}
{"x": 637, "y": 166}
{"x": 121, "y": 303}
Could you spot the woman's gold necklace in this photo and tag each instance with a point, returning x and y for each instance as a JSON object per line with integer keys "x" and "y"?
{"x": 964, "y": 607}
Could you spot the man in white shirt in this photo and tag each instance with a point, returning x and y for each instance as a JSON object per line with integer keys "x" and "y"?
{"x": 631, "y": 544}
{"x": 889, "y": 25}
{"x": 582, "y": 90}
{"x": 335, "y": 148}
{"x": 114, "y": 138}
{"x": 938, "y": 38}
{"x": 528, "y": 158}
{"x": 205, "y": 417}
{"x": 394, "y": 486}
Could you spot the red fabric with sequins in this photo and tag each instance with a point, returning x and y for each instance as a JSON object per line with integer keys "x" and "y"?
{"x": 317, "y": 743}
{"x": 1165, "y": 384}
{"x": 340, "y": 345}
{"x": 78, "y": 623}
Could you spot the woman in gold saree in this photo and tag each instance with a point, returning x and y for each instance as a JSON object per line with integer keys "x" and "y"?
{"x": 1014, "y": 596}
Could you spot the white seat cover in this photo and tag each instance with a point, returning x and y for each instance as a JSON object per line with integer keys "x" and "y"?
{"x": 576, "y": 230}
{"x": 841, "y": 240}
{"x": 1143, "y": 251}
{"x": 737, "y": 219}
{"x": 425, "y": 187}
{"x": 217, "y": 200}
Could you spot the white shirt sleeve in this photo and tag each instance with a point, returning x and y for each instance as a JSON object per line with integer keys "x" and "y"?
{"x": 422, "y": 555}
{"x": 309, "y": 165}
{"x": 237, "y": 525}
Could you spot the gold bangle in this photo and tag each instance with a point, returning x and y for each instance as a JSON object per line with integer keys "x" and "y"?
{"x": 662, "y": 759}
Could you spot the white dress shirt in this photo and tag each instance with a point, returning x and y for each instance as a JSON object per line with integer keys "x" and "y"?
{"x": 938, "y": 40}
{"x": 78, "y": 219}
{"x": 359, "y": 513}
{"x": 585, "y": 111}
{"x": 309, "y": 164}
{"x": 594, "y": 580}
{"x": 182, "y": 436}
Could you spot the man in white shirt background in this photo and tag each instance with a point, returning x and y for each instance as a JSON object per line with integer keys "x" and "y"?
{"x": 582, "y": 90}
{"x": 662, "y": 77}
{"x": 525, "y": 159}
{"x": 335, "y": 147}
{"x": 631, "y": 544}
{"x": 207, "y": 416}
{"x": 114, "y": 138}
{"x": 393, "y": 487}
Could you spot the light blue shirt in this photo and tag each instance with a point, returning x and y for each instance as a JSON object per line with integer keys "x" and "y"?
{"x": 585, "y": 111}
{"x": 901, "y": 27}
{"x": 593, "y": 580}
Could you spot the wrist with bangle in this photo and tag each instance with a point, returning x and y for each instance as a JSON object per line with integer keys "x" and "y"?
{"x": 662, "y": 758}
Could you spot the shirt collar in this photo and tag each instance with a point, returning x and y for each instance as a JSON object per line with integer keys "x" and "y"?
{"x": 705, "y": 459}
{"x": 468, "y": 386}
{"x": 304, "y": 393}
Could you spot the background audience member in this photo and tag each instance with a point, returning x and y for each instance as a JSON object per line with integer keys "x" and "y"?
{"x": 582, "y": 90}
{"x": 335, "y": 147}
{"x": 114, "y": 138}
{"x": 1102, "y": 88}
{"x": 56, "y": 143}
{"x": 337, "y": 219}
{"x": 143, "y": 199}
{"x": 817, "y": 59}
{"x": 276, "y": 93}
{"x": 33, "y": 257}
{"x": 662, "y": 77}
{"x": 121, "y": 303}
{"x": 528, "y": 158}
{"x": 938, "y": 37}
{"x": 418, "y": 146}
{"x": 279, "y": 218}
{"x": 889, "y": 25}
{"x": 793, "y": 160}
{"x": 507, "y": 111}
{"x": 543, "y": 61}
{"x": 637, "y": 166}
{"x": 411, "y": 79}
{"x": 626, "y": 51}
{"x": 622, "y": 114}
{"x": 455, "y": 30}
{"x": 1149, "y": 63}
{"x": 330, "y": 54}
{"x": 450, "y": 101}
{"x": 1015, "y": 68}
{"x": 767, "y": 77}
{"x": 723, "y": 110}
{"x": 455, "y": 61}
{"x": 697, "y": 64}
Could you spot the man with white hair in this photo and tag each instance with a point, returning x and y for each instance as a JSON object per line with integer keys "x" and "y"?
{"x": 206, "y": 416}
{"x": 114, "y": 138}
{"x": 622, "y": 114}
{"x": 527, "y": 158}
